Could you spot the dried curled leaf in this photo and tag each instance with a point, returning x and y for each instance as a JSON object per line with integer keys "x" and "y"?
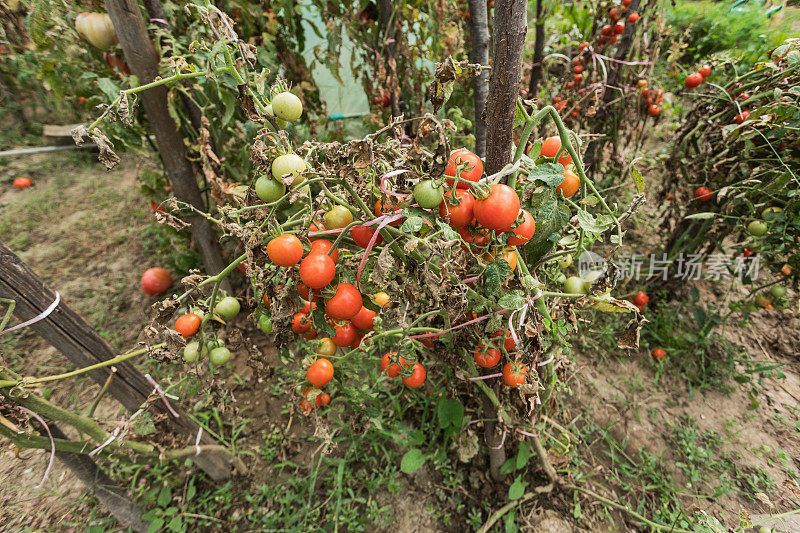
{"x": 106, "y": 147}
{"x": 629, "y": 340}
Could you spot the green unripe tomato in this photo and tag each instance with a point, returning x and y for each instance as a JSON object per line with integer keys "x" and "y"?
{"x": 199, "y": 312}
{"x": 565, "y": 262}
{"x": 269, "y": 189}
{"x": 771, "y": 213}
{"x": 757, "y": 228}
{"x": 219, "y": 356}
{"x": 561, "y": 278}
{"x": 287, "y": 106}
{"x": 765, "y": 529}
{"x": 265, "y": 323}
{"x": 427, "y": 194}
{"x": 338, "y": 217}
{"x": 575, "y": 285}
{"x": 289, "y": 164}
{"x": 281, "y": 123}
{"x": 778, "y": 291}
{"x": 228, "y": 307}
{"x": 191, "y": 351}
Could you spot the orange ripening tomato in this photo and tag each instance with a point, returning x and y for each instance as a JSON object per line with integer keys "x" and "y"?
{"x": 188, "y": 325}
{"x": 550, "y": 147}
{"x": 570, "y": 185}
{"x": 285, "y": 250}
{"x": 509, "y": 254}
{"x": 514, "y": 374}
{"x": 473, "y": 163}
{"x": 320, "y": 372}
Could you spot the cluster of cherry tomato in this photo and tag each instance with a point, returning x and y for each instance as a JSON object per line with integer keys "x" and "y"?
{"x": 652, "y": 98}
{"x": 696, "y": 78}
{"x": 610, "y": 32}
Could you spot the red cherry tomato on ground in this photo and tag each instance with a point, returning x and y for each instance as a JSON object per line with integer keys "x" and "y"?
{"x": 550, "y": 147}
{"x": 514, "y": 373}
{"x": 741, "y": 117}
{"x": 693, "y": 80}
{"x": 641, "y": 298}
{"x": 362, "y": 235}
{"x": 285, "y": 250}
{"x": 22, "y": 183}
{"x": 524, "y": 231}
{"x": 364, "y": 318}
{"x": 322, "y": 246}
{"x": 187, "y": 325}
{"x": 345, "y": 303}
{"x": 156, "y": 281}
{"x": 464, "y": 157}
{"x": 659, "y": 354}
{"x": 392, "y": 369}
{"x": 499, "y": 210}
{"x": 487, "y": 358}
{"x": 417, "y": 377}
{"x": 320, "y": 372}
{"x": 317, "y": 270}
{"x": 703, "y": 194}
{"x": 461, "y": 214}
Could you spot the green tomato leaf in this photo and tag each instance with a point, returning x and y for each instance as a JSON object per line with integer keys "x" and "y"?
{"x": 412, "y": 224}
{"x": 523, "y": 454}
{"x": 513, "y": 300}
{"x": 550, "y": 173}
{"x": 412, "y": 460}
{"x": 517, "y": 489}
{"x": 451, "y": 413}
{"x": 164, "y": 497}
{"x": 638, "y": 180}
{"x": 155, "y": 525}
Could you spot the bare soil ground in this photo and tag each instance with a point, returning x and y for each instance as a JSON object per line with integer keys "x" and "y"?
{"x": 83, "y": 230}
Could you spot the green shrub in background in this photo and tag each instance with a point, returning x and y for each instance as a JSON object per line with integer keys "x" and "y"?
{"x": 743, "y": 30}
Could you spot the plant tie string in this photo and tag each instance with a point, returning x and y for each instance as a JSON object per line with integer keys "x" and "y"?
{"x": 197, "y": 440}
{"x": 41, "y": 316}
{"x": 384, "y": 221}
{"x": 52, "y": 443}
{"x": 163, "y": 395}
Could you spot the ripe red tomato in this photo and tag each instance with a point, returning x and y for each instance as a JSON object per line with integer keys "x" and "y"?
{"x": 509, "y": 343}
{"x": 578, "y": 60}
{"x": 613, "y": 39}
{"x": 187, "y": 325}
{"x": 364, "y": 319}
{"x": 606, "y": 30}
{"x": 301, "y": 323}
{"x": 322, "y": 246}
{"x": 653, "y": 110}
{"x": 613, "y": 14}
{"x": 693, "y": 80}
{"x": 499, "y": 210}
{"x": 570, "y": 85}
{"x": 626, "y": 3}
{"x": 317, "y": 270}
{"x": 462, "y": 214}
{"x": 345, "y": 335}
{"x": 514, "y": 373}
{"x": 320, "y": 372}
{"x": 633, "y": 18}
{"x": 641, "y": 298}
{"x": 389, "y": 208}
{"x": 577, "y": 69}
{"x": 570, "y": 185}
{"x": 362, "y": 235}
{"x": 741, "y": 117}
{"x": 156, "y": 281}
{"x": 477, "y": 239}
{"x": 619, "y": 27}
{"x": 392, "y": 369}
{"x": 357, "y": 341}
{"x": 659, "y": 354}
{"x": 747, "y": 252}
{"x": 577, "y": 78}
{"x": 584, "y": 45}
{"x": 474, "y": 164}
{"x": 285, "y": 250}
{"x": 524, "y": 231}
{"x": 642, "y": 84}
{"x": 487, "y": 358}
{"x": 417, "y": 377}
{"x": 705, "y": 71}
{"x": 345, "y": 303}
{"x": 703, "y": 194}
{"x": 550, "y": 148}
{"x": 308, "y": 307}
{"x": 22, "y": 183}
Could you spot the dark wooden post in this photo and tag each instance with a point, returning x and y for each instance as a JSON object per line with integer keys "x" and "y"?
{"x": 139, "y": 54}
{"x": 611, "y": 92}
{"x": 509, "y": 26}
{"x": 538, "y": 52}
{"x": 66, "y": 331}
{"x": 479, "y": 53}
